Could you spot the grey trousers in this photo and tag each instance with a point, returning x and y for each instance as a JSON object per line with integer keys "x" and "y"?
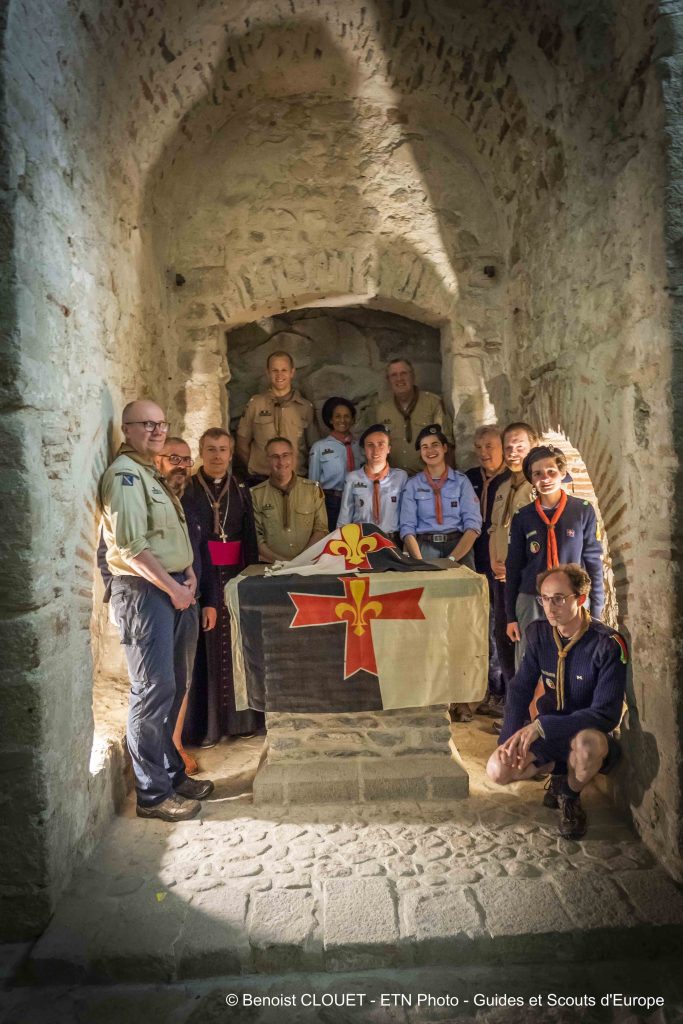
{"x": 160, "y": 644}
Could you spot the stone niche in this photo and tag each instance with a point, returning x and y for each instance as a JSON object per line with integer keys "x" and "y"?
{"x": 337, "y": 351}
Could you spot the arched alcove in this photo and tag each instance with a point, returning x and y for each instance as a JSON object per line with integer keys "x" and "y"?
{"x": 414, "y": 145}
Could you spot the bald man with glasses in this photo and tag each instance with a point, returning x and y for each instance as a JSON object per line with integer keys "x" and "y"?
{"x": 149, "y": 555}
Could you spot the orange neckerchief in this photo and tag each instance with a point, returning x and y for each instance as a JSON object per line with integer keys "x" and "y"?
{"x": 552, "y": 556}
{"x": 436, "y": 484}
{"x": 347, "y": 440}
{"x": 376, "y": 502}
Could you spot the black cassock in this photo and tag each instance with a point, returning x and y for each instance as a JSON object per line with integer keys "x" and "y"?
{"x": 211, "y": 707}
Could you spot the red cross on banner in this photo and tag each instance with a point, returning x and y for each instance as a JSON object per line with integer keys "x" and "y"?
{"x": 356, "y": 610}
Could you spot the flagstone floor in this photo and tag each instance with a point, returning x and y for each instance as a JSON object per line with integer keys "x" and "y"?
{"x": 347, "y": 888}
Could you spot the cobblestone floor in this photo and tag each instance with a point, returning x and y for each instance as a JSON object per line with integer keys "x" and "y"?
{"x": 347, "y": 888}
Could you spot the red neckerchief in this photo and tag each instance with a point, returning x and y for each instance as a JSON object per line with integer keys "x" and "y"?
{"x": 347, "y": 440}
{"x": 436, "y": 483}
{"x": 552, "y": 556}
{"x": 376, "y": 477}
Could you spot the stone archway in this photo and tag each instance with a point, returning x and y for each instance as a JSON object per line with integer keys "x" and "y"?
{"x": 421, "y": 144}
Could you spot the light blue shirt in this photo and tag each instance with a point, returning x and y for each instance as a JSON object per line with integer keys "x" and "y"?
{"x": 459, "y": 506}
{"x": 356, "y": 505}
{"x": 327, "y": 462}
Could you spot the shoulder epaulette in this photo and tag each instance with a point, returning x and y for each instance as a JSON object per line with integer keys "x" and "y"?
{"x": 622, "y": 644}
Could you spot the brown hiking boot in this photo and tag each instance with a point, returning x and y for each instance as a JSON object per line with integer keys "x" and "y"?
{"x": 173, "y": 808}
{"x": 573, "y": 820}
{"x": 553, "y": 788}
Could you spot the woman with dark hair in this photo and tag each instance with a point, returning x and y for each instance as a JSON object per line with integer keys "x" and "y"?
{"x": 334, "y": 456}
{"x": 554, "y": 529}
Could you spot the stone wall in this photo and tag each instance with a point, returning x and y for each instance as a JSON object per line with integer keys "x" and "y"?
{"x": 496, "y": 171}
{"x": 336, "y": 352}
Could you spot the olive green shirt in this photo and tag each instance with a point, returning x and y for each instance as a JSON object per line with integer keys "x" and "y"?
{"x": 267, "y": 416}
{"x": 139, "y": 515}
{"x": 428, "y": 409}
{"x": 286, "y": 522}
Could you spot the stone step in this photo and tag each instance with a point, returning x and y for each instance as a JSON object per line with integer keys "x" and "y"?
{"x": 138, "y": 930}
{"x": 358, "y": 779}
{"x": 551, "y": 992}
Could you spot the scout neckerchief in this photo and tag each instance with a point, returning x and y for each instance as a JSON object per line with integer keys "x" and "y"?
{"x": 562, "y": 652}
{"x": 376, "y": 497}
{"x": 346, "y": 440}
{"x": 485, "y": 482}
{"x": 514, "y": 487}
{"x": 130, "y": 453}
{"x": 436, "y": 483}
{"x": 552, "y": 558}
{"x": 215, "y": 502}
{"x": 407, "y": 411}
{"x": 285, "y": 492}
{"x": 278, "y": 402}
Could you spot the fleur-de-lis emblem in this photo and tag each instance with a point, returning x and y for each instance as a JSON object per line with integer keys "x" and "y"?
{"x": 353, "y": 546}
{"x": 358, "y": 611}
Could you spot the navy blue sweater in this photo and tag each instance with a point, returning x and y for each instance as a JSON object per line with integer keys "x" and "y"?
{"x": 482, "y": 557}
{"x": 578, "y": 540}
{"x": 594, "y": 683}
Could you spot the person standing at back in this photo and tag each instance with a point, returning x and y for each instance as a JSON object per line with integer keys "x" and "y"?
{"x": 336, "y": 455}
{"x": 281, "y": 411}
{"x": 485, "y": 479}
{"x": 408, "y": 411}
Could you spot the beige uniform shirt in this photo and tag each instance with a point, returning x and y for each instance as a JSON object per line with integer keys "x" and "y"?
{"x": 503, "y": 509}
{"x": 428, "y": 409}
{"x": 139, "y": 515}
{"x": 264, "y": 417}
{"x": 286, "y": 522}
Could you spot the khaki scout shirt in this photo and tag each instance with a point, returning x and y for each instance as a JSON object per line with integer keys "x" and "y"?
{"x": 263, "y": 418}
{"x": 502, "y": 511}
{"x": 306, "y": 514}
{"x": 138, "y": 515}
{"x": 428, "y": 409}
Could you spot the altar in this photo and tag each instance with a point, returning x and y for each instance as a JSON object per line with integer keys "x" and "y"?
{"x": 355, "y": 669}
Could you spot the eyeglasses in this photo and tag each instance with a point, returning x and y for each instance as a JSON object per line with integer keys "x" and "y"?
{"x": 150, "y": 426}
{"x": 556, "y": 600}
{"x": 180, "y": 460}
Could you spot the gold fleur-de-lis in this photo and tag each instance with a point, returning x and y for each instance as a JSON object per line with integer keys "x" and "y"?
{"x": 358, "y": 612}
{"x": 353, "y": 546}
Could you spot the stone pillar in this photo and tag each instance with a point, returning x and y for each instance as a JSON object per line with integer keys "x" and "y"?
{"x": 404, "y": 754}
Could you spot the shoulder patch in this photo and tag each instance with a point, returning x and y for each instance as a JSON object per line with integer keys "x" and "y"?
{"x": 622, "y": 644}
{"x": 128, "y": 479}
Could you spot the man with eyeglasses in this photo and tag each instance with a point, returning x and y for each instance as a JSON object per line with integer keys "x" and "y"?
{"x": 581, "y": 665}
{"x": 149, "y": 555}
{"x": 408, "y": 411}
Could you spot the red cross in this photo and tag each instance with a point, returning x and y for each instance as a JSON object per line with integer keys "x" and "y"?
{"x": 356, "y": 609}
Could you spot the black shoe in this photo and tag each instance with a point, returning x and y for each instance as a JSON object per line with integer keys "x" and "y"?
{"x": 553, "y": 788}
{"x": 492, "y": 707}
{"x": 195, "y": 789}
{"x": 573, "y": 820}
{"x": 173, "y": 808}
{"x": 497, "y": 727}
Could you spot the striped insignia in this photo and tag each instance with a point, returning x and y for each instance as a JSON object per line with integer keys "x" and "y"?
{"x": 622, "y": 644}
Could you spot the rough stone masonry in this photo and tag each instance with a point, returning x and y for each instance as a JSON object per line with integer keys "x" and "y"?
{"x": 504, "y": 173}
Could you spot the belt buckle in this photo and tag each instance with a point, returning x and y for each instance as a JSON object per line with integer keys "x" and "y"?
{"x": 438, "y": 538}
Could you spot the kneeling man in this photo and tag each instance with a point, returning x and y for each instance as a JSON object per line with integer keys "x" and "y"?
{"x": 581, "y": 664}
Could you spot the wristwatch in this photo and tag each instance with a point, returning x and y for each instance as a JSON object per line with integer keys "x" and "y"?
{"x": 452, "y": 558}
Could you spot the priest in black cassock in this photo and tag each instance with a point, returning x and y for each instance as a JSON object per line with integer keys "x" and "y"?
{"x": 225, "y": 513}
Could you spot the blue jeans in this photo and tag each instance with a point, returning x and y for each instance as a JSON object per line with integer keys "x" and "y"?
{"x": 160, "y": 645}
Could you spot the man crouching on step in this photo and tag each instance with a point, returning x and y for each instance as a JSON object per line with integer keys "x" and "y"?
{"x": 581, "y": 664}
